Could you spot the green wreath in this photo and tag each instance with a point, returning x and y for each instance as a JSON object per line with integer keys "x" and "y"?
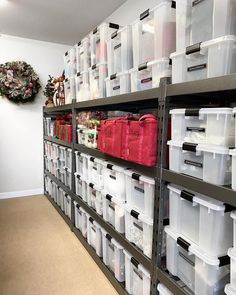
{"x": 18, "y": 82}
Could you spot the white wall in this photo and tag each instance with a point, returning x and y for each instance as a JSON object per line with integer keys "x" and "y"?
{"x": 130, "y": 11}
{"x": 21, "y": 127}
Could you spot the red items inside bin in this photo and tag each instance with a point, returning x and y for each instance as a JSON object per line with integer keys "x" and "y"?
{"x": 63, "y": 128}
{"x": 129, "y": 139}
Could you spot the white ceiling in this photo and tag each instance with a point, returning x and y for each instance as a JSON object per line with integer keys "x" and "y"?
{"x": 60, "y": 21}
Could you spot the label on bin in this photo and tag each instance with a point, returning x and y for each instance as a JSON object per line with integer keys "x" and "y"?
{"x": 196, "y": 129}
{"x": 192, "y": 163}
{"x": 197, "y": 67}
{"x": 138, "y": 274}
{"x": 146, "y": 80}
{"x": 139, "y": 189}
{"x": 112, "y": 177}
{"x": 117, "y": 46}
{"x": 116, "y": 87}
{"x": 138, "y": 226}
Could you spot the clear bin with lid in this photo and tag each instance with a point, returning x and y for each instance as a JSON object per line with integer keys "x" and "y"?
{"x": 94, "y": 235}
{"x": 212, "y": 126}
{"x": 201, "y": 273}
{"x": 140, "y": 191}
{"x": 118, "y": 84}
{"x": 68, "y": 205}
{"x": 98, "y": 42}
{"x": 82, "y": 164}
{"x": 70, "y": 63}
{"x": 137, "y": 278}
{"x": 83, "y": 59}
{"x": 82, "y": 87}
{"x": 94, "y": 197}
{"x": 232, "y": 255}
{"x": 68, "y": 178}
{"x": 189, "y": 212}
{"x": 120, "y": 51}
{"x": 80, "y": 219}
{"x": 138, "y": 230}
{"x": 209, "y": 163}
{"x": 69, "y": 89}
{"x": 95, "y": 171}
{"x": 113, "y": 256}
{"x": 97, "y": 76}
{"x": 229, "y": 290}
{"x": 199, "y": 21}
{"x": 154, "y": 33}
{"x": 114, "y": 212}
{"x": 81, "y": 187}
{"x": 148, "y": 75}
{"x": 233, "y": 179}
{"x": 198, "y": 61}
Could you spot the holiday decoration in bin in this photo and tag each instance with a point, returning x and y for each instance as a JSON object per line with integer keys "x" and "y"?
{"x": 18, "y": 82}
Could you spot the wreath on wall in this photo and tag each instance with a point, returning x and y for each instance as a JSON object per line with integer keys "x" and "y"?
{"x": 18, "y": 82}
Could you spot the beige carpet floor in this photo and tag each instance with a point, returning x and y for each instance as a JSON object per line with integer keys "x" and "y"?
{"x": 39, "y": 255}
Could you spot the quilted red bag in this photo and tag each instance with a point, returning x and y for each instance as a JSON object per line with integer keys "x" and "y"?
{"x": 140, "y": 140}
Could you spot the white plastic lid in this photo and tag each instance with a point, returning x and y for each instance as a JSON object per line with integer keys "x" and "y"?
{"x": 144, "y": 218}
{"x": 229, "y": 290}
{"x": 114, "y": 167}
{"x": 232, "y": 152}
{"x": 233, "y": 214}
{"x": 114, "y": 200}
{"x": 163, "y": 290}
{"x": 81, "y": 177}
{"x": 175, "y": 143}
{"x": 232, "y": 253}
{"x": 97, "y": 66}
{"x": 143, "y": 178}
{"x": 96, "y": 160}
{"x": 229, "y": 38}
{"x": 216, "y": 111}
{"x": 151, "y": 63}
{"x": 118, "y": 75}
{"x": 213, "y": 149}
{"x": 177, "y": 112}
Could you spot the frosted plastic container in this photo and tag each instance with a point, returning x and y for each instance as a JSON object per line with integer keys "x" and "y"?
{"x": 54, "y": 151}
{"x": 68, "y": 159}
{"x": 70, "y": 63}
{"x": 148, "y": 75}
{"x": 201, "y": 273}
{"x": 81, "y": 134}
{"x": 114, "y": 180}
{"x": 154, "y": 33}
{"x": 209, "y": 163}
{"x": 212, "y": 126}
{"x": 137, "y": 278}
{"x": 97, "y": 76}
{"x": 229, "y": 290}
{"x": 120, "y": 51}
{"x": 81, "y": 187}
{"x": 95, "y": 171}
{"x": 233, "y": 215}
{"x": 199, "y": 60}
{"x": 199, "y": 21}
{"x": 98, "y": 42}
{"x": 82, "y": 87}
{"x": 58, "y": 196}
{"x": 46, "y": 182}
{"x": 189, "y": 213}
{"x": 64, "y": 199}
{"x": 61, "y": 199}
{"x": 69, "y": 89}
{"x": 63, "y": 152}
{"x": 232, "y": 255}
{"x": 68, "y": 206}
{"x": 68, "y": 178}
{"x": 62, "y": 175}
{"x": 80, "y": 219}
{"x": 82, "y": 164}
{"x": 233, "y": 180}
{"x": 138, "y": 230}
{"x": 117, "y": 84}
{"x": 113, "y": 256}
{"x": 114, "y": 212}
{"x": 94, "y": 235}
{"x": 50, "y": 187}
{"x": 140, "y": 191}
{"x": 46, "y": 163}
{"x": 83, "y": 59}
{"x": 94, "y": 197}
{"x": 163, "y": 290}
{"x": 61, "y": 164}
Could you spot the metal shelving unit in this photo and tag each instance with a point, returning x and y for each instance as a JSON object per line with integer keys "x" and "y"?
{"x": 218, "y": 91}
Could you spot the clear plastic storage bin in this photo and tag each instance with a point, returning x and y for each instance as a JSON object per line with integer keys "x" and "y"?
{"x": 199, "y": 21}
{"x": 233, "y": 179}
{"x": 82, "y": 164}
{"x": 137, "y": 278}
{"x": 113, "y": 256}
{"x": 212, "y": 126}
{"x": 201, "y": 273}
{"x": 69, "y": 89}
{"x": 114, "y": 212}
{"x": 118, "y": 84}
{"x": 81, "y": 187}
{"x": 94, "y": 197}
{"x": 233, "y": 215}
{"x": 68, "y": 205}
{"x": 120, "y": 51}
{"x": 95, "y": 171}
{"x": 82, "y": 87}
{"x": 83, "y": 59}
{"x": 68, "y": 158}
{"x": 94, "y": 235}
{"x": 58, "y": 196}
{"x": 80, "y": 219}
{"x": 154, "y": 34}
{"x": 140, "y": 191}
{"x": 138, "y": 230}
{"x": 97, "y": 76}
{"x": 62, "y": 199}
{"x": 98, "y": 42}
{"x": 189, "y": 214}
{"x": 114, "y": 180}
{"x": 70, "y": 63}
{"x": 232, "y": 255}
{"x": 148, "y": 75}
{"x": 210, "y": 163}
{"x": 68, "y": 178}
{"x": 163, "y": 290}
{"x": 199, "y": 60}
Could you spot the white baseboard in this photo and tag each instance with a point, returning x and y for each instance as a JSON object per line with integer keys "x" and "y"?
{"x": 19, "y": 194}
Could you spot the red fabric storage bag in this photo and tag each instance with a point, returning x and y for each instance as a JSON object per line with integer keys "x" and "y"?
{"x": 140, "y": 140}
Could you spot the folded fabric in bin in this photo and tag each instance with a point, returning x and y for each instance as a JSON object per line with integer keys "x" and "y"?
{"x": 68, "y": 133}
